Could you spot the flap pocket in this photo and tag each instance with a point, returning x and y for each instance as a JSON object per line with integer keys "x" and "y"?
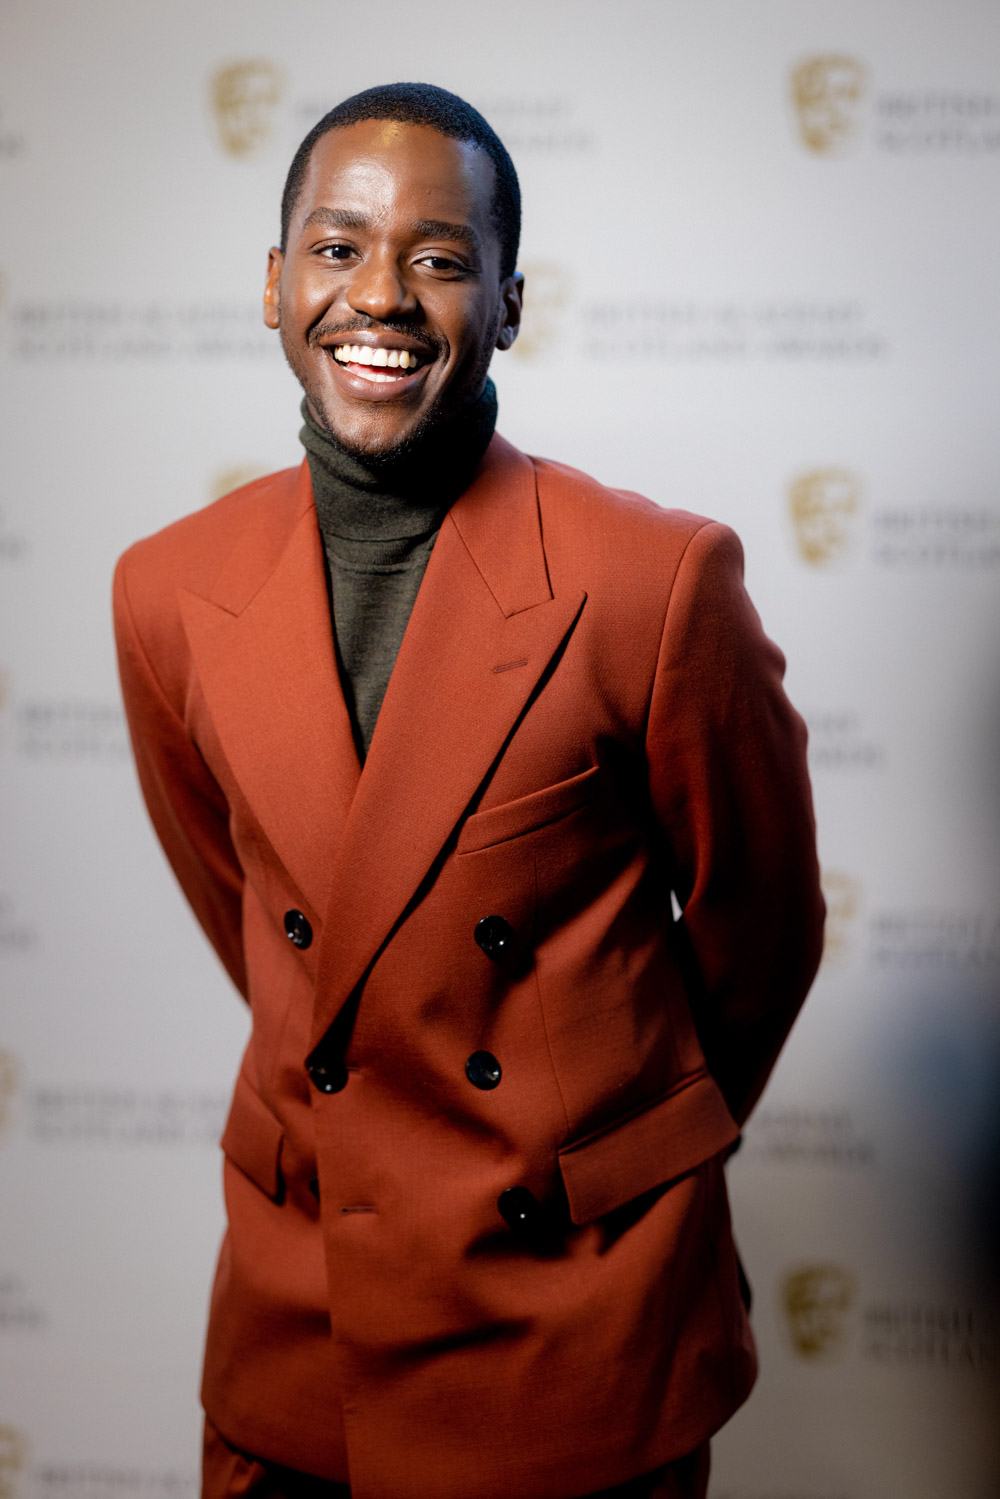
{"x": 527, "y": 813}
{"x": 252, "y": 1139}
{"x": 685, "y": 1127}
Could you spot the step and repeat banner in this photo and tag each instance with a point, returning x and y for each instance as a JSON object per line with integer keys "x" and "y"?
{"x": 761, "y": 250}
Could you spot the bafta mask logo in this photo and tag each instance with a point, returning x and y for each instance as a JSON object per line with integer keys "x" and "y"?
{"x": 825, "y": 507}
{"x": 828, "y": 93}
{"x": 546, "y": 298}
{"x": 8, "y": 1087}
{"x": 245, "y": 97}
{"x": 843, "y": 902}
{"x": 228, "y": 479}
{"x": 817, "y": 1301}
{"x": 13, "y": 1455}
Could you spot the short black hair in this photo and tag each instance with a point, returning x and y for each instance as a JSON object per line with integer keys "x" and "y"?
{"x": 421, "y": 104}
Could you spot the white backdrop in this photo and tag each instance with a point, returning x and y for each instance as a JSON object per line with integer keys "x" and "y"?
{"x": 761, "y": 243}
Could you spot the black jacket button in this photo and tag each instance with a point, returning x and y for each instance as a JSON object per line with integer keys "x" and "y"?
{"x": 520, "y": 1208}
{"x": 327, "y": 1077}
{"x": 495, "y": 936}
{"x": 483, "y": 1070}
{"x": 298, "y": 929}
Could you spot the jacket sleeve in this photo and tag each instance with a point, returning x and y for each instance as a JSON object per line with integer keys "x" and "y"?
{"x": 730, "y": 789}
{"x": 186, "y": 805}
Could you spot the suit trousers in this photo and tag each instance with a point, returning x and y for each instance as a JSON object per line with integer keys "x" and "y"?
{"x": 230, "y": 1474}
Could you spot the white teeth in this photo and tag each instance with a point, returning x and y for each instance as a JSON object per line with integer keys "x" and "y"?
{"x": 381, "y": 358}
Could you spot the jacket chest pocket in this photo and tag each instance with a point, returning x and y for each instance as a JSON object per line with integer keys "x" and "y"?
{"x": 496, "y": 857}
{"x": 527, "y": 814}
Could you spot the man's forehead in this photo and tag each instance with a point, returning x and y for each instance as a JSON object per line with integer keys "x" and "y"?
{"x": 389, "y": 159}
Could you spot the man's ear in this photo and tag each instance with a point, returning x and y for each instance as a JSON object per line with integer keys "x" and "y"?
{"x": 511, "y": 303}
{"x": 272, "y": 296}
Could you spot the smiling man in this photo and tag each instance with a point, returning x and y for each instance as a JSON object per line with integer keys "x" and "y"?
{"x": 396, "y": 277}
{"x": 481, "y": 780}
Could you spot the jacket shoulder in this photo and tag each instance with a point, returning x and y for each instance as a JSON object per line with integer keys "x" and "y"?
{"x": 192, "y": 551}
{"x": 244, "y": 531}
{"x": 615, "y": 535}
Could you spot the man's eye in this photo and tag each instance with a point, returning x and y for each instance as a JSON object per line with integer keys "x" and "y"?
{"x": 441, "y": 263}
{"x": 336, "y": 252}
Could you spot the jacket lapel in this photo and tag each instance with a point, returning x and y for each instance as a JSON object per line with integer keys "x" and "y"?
{"x": 484, "y": 628}
{"x": 263, "y": 648}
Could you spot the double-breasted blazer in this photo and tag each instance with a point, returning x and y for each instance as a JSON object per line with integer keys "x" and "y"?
{"x": 585, "y": 733}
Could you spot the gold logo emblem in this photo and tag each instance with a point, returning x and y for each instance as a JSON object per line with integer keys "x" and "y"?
{"x": 825, "y": 505}
{"x": 828, "y": 93}
{"x": 546, "y": 297}
{"x": 8, "y": 1086}
{"x": 228, "y": 479}
{"x": 817, "y": 1300}
{"x": 245, "y": 97}
{"x": 13, "y": 1455}
{"x": 843, "y": 902}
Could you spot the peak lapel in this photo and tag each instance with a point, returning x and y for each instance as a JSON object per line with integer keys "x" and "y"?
{"x": 263, "y": 648}
{"x": 483, "y": 630}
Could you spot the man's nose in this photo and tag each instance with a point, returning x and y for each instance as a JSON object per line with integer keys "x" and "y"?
{"x": 379, "y": 289}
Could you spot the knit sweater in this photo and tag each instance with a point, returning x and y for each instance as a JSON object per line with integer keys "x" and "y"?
{"x": 379, "y": 521}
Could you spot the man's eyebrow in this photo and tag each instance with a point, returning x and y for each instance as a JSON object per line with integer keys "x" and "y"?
{"x": 336, "y": 218}
{"x": 442, "y": 229}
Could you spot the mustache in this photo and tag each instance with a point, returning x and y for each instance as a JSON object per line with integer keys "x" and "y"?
{"x": 434, "y": 346}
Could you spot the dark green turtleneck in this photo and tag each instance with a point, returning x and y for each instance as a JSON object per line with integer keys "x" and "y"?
{"x": 379, "y": 523}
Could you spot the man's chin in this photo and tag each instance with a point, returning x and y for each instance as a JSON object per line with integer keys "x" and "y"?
{"x": 377, "y": 451}
{"x": 381, "y": 444}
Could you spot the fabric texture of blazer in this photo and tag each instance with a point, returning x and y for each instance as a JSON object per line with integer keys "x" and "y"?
{"x": 585, "y": 720}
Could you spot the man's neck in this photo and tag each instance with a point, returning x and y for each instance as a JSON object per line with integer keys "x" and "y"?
{"x": 407, "y": 493}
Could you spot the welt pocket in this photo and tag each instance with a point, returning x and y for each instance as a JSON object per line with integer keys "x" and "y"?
{"x": 527, "y": 813}
{"x": 668, "y": 1138}
{"x": 252, "y": 1139}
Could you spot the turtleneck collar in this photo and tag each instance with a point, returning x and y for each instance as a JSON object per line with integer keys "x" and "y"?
{"x": 406, "y": 498}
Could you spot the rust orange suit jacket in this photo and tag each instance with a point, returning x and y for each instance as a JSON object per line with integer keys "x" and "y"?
{"x": 584, "y": 717}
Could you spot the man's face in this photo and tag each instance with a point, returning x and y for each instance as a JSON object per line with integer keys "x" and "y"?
{"x": 388, "y": 297}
